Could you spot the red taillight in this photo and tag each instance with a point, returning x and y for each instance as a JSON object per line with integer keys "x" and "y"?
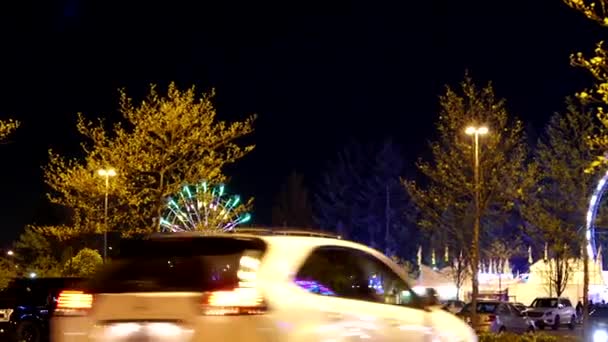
{"x": 73, "y": 303}
{"x": 240, "y": 301}
{"x": 490, "y": 318}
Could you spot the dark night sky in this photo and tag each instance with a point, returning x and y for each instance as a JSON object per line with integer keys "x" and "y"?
{"x": 318, "y": 73}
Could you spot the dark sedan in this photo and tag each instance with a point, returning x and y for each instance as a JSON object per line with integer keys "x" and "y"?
{"x": 26, "y": 305}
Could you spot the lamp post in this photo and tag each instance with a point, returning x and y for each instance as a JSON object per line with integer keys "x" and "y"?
{"x": 106, "y": 173}
{"x": 476, "y": 132}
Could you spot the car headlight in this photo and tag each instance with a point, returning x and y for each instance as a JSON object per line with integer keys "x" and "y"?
{"x": 548, "y": 313}
{"x": 600, "y": 335}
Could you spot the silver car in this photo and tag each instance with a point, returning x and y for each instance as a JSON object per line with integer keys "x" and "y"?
{"x": 498, "y": 316}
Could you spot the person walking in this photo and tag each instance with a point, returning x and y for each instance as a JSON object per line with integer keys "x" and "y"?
{"x": 579, "y": 312}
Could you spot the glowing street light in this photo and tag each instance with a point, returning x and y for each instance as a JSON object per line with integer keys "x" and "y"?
{"x": 106, "y": 173}
{"x": 476, "y": 132}
{"x": 10, "y": 253}
{"x": 483, "y": 130}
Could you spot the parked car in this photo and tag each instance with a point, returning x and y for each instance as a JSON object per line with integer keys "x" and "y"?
{"x": 498, "y": 316}
{"x": 256, "y": 286}
{"x": 553, "y": 312}
{"x": 26, "y": 305}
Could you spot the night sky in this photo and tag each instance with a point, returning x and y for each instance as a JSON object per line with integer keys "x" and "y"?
{"x": 318, "y": 73}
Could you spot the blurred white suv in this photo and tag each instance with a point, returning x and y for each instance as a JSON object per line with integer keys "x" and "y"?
{"x": 250, "y": 287}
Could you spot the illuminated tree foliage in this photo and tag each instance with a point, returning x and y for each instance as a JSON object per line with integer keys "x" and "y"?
{"x": 7, "y": 127}
{"x": 205, "y": 208}
{"x": 83, "y": 264}
{"x": 597, "y": 65}
{"x": 36, "y": 253}
{"x": 8, "y": 271}
{"x": 162, "y": 143}
{"x": 557, "y": 205}
{"x": 445, "y": 199}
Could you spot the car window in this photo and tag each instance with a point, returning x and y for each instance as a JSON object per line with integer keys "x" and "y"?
{"x": 519, "y": 307}
{"x": 483, "y": 307}
{"x": 566, "y": 302}
{"x": 353, "y": 274}
{"x": 544, "y": 303}
{"x": 177, "y": 264}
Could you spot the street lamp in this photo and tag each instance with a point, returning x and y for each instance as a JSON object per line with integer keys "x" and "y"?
{"x": 476, "y": 132}
{"x": 10, "y": 253}
{"x": 106, "y": 173}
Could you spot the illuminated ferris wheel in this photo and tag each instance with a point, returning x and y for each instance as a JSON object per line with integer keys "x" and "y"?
{"x": 204, "y": 208}
{"x": 594, "y": 204}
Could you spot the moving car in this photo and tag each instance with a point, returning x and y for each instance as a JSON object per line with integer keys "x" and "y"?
{"x": 553, "y": 312}
{"x": 26, "y": 305}
{"x": 261, "y": 285}
{"x": 498, "y": 316}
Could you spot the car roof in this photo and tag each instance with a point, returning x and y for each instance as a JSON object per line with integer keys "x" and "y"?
{"x": 287, "y": 247}
{"x": 296, "y": 238}
{"x": 289, "y": 239}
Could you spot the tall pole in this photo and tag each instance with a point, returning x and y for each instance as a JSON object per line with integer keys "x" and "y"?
{"x": 475, "y": 244}
{"x": 105, "y": 219}
{"x": 106, "y": 174}
{"x": 387, "y": 222}
{"x": 476, "y": 132}
{"x": 585, "y": 312}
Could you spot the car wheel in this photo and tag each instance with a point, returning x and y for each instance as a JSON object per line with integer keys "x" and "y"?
{"x": 556, "y": 323}
{"x": 530, "y": 330}
{"x": 28, "y": 332}
{"x": 572, "y": 322}
{"x": 502, "y": 330}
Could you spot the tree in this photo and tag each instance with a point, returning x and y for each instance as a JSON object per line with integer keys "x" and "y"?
{"x": 459, "y": 271}
{"x": 35, "y": 253}
{"x": 8, "y": 271}
{"x": 163, "y": 143}
{"x": 361, "y": 198}
{"x": 292, "y": 206}
{"x": 597, "y": 65}
{"x": 445, "y": 199}
{"x": 385, "y": 206}
{"x": 83, "y": 264}
{"x": 557, "y": 206}
{"x": 502, "y": 251}
{"x": 336, "y": 203}
{"x": 559, "y": 270}
{"x": 7, "y": 127}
